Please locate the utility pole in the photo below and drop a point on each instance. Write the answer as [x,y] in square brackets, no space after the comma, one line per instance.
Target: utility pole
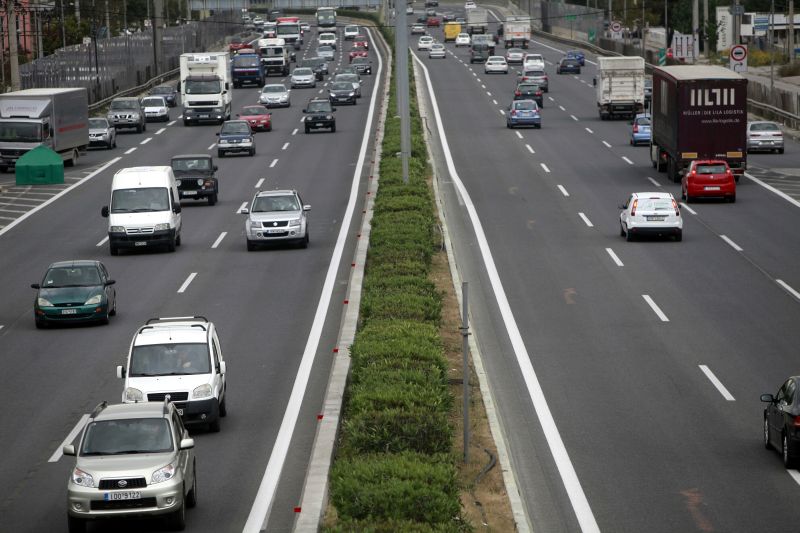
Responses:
[705,27]
[158,8]
[791,31]
[771,51]
[39,43]
[108,22]
[63,25]
[736,28]
[13,53]
[644,39]
[401,73]
[695,28]
[125,15]
[78,11]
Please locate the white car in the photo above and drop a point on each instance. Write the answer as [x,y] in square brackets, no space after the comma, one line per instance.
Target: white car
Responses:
[303,77]
[417,29]
[651,213]
[463,39]
[469,4]
[155,108]
[410,10]
[327,39]
[437,51]
[533,62]
[425,42]
[180,357]
[350,32]
[496,64]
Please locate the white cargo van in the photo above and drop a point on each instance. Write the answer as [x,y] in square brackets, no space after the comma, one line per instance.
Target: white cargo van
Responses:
[145,209]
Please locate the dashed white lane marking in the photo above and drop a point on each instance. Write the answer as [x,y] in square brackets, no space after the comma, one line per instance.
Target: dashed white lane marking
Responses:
[586,220]
[274,162]
[563,190]
[544,167]
[607,145]
[614,257]
[528,146]
[219,239]
[731,243]
[294,132]
[788,288]
[70,437]
[483,86]
[502,112]
[627,160]
[684,206]
[717,383]
[285,146]
[550,98]
[212,146]
[795,475]
[1,326]
[654,182]
[320,91]
[494,102]
[561,107]
[259,183]
[130,150]
[162,130]
[102,242]
[657,310]
[171,123]
[187,282]
[474,74]
[244,204]
[590,131]
[146,140]
[518,134]
[574,118]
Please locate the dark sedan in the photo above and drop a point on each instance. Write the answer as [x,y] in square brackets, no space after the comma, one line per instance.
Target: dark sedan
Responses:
[567,64]
[74,291]
[362,65]
[342,92]
[529,91]
[782,422]
[169,93]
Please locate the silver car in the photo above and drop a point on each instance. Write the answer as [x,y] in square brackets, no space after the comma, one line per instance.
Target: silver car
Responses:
[764,135]
[133,459]
[275,95]
[102,133]
[126,112]
[355,79]
[276,216]
[326,52]
[303,77]
[437,51]
[515,55]
[535,76]
[155,108]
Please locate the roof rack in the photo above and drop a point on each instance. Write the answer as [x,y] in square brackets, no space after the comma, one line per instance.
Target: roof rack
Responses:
[176,318]
[99,409]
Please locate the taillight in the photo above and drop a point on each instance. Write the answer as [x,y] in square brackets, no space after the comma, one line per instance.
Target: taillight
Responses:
[517,93]
[633,208]
[635,128]
[513,112]
[694,173]
[677,209]
[796,422]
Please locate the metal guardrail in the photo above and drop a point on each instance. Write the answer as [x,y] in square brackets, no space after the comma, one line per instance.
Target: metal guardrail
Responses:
[158,80]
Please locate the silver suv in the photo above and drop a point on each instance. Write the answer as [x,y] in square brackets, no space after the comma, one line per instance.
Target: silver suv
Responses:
[276,216]
[132,460]
[126,112]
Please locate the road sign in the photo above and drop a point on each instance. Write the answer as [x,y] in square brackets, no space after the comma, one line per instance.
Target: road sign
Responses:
[662,57]
[616,26]
[738,58]
[737,10]
[761,23]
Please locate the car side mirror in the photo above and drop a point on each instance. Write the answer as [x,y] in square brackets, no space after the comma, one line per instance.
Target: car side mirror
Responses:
[237,116]
[187,444]
[111,282]
[68,449]
[104,211]
[35,286]
[306,207]
[222,367]
[245,211]
[120,372]
[305,110]
[215,168]
[217,134]
[767,398]
[176,207]
[594,82]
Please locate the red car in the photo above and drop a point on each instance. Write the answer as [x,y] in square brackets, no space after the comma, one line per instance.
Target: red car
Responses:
[358,51]
[257,116]
[434,21]
[361,41]
[709,178]
[237,44]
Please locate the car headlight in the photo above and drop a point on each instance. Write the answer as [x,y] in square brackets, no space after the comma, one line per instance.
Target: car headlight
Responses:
[352,93]
[255,225]
[94,300]
[133,395]
[328,117]
[199,182]
[116,229]
[165,473]
[217,110]
[295,222]
[223,141]
[79,477]
[161,227]
[178,183]
[41,302]
[203,391]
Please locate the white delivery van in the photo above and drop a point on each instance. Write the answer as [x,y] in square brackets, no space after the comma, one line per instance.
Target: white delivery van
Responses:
[145,209]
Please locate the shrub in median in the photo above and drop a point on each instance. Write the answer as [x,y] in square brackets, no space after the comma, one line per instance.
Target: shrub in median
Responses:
[393,526]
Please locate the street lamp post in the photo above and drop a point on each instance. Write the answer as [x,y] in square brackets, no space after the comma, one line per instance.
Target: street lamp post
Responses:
[12,8]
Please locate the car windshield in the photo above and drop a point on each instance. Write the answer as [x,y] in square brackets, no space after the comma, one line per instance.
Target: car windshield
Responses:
[352,78]
[153,102]
[527,88]
[268,204]
[711,169]
[202,87]
[534,73]
[360,60]
[655,204]
[341,86]
[764,126]
[184,165]
[437,47]
[98,123]
[140,200]
[303,72]
[170,360]
[235,128]
[273,89]
[514,51]
[324,48]
[351,29]
[525,106]
[124,104]
[643,121]
[245,61]
[254,110]
[82,276]
[127,436]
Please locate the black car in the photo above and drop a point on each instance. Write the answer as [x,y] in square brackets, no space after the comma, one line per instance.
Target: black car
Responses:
[780,422]
[479,53]
[273,14]
[319,115]
[362,65]
[431,3]
[169,93]
[342,92]
[422,18]
[235,136]
[568,64]
[196,177]
[529,91]
[318,64]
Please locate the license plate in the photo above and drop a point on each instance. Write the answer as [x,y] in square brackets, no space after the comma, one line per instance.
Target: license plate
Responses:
[69,311]
[140,243]
[190,193]
[203,116]
[180,412]
[655,219]
[122,495]
[276,230]
[318,124]
[712,188]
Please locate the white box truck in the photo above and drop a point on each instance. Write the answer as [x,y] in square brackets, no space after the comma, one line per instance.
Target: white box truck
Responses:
[517,31]
[620,86]
[477,20]
[57,118]
[274,56]
[205,85]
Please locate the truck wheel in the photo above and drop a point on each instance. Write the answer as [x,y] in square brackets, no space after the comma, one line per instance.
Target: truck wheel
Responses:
[113,249]
[212,199]
[139,128]
[73,160]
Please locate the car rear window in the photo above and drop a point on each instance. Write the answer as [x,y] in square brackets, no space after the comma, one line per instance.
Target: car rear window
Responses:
[643,121]
[527,106]
[710,169]
[767,126]
[654,204]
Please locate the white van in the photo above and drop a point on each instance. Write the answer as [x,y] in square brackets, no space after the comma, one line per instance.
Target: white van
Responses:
[145,209]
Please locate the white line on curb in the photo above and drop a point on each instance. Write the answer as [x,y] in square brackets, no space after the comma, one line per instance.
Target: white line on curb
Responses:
[774,190]
[655,308]
[717,383]
[187,282]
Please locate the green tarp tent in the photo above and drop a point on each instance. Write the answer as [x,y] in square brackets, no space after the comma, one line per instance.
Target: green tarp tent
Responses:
[40,166]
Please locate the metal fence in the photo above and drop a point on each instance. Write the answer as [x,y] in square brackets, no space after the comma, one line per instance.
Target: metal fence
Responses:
[312,4]
[566,20]
[127,61]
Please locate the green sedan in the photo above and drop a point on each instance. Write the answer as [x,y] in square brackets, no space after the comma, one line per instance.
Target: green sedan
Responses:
[74,291]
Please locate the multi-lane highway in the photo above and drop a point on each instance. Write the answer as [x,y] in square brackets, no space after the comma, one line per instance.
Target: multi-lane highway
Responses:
[626,374]
[272,308]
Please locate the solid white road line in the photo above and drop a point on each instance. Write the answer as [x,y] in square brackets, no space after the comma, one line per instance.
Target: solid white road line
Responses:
[627,160]
[518,134]
[528,146]
[257,518]
[717,383]
[731,243]
[586,220]
[590,131]
[614,257]
[773,189]
[212,146]
[274,162]
[219,239]
[259,183]
[684,206]
[654,182]
[294,132]
[146,140]
[57,196]
[187,282]
[171,123]
[285,146]
[566,470]
[130,150]
[788,288]
[655,308]
[574,118]
[101,243]
[563,190]
[70,437]
[607,145]
[162,130]
[244,204]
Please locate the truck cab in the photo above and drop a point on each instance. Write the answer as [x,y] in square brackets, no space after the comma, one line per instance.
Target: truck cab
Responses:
[275,56]
[205,83]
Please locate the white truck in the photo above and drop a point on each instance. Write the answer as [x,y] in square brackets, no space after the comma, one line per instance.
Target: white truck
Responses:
[289,30]
[620,86]
[517,31]
[477,20]
[57,118]
[205,85]
[274,56]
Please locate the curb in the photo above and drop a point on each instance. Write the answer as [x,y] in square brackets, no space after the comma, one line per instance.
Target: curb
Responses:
[314,497]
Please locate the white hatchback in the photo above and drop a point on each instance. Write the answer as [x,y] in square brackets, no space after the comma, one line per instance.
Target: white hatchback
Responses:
[350,32]
[533,62]
[651,213]
[496,64]
[463,39]
[425,42]
[327,39]
[437,51]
